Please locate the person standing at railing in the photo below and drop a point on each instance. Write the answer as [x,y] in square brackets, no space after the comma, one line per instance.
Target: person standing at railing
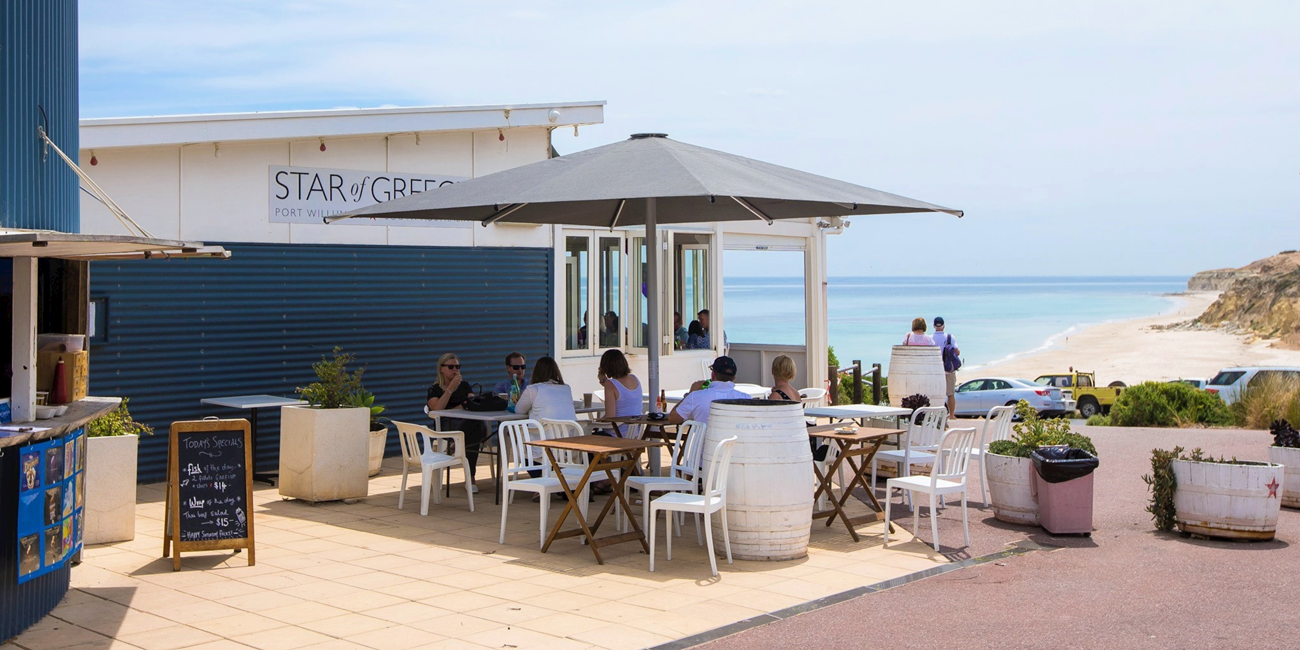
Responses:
[918,336]
[951,361]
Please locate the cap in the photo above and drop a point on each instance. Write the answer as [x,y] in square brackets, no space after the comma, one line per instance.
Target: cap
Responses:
[724,366]
[938,320]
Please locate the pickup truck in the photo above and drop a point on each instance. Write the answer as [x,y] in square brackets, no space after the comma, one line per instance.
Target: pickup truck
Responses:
[1082,387]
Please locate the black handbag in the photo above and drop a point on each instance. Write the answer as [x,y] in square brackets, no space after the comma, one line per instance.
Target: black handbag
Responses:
[489,402]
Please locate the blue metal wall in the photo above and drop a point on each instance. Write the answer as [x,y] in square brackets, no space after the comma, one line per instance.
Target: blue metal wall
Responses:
[183,330]
[38,72]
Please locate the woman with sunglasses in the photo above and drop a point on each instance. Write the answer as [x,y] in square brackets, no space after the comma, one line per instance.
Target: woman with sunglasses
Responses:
[452,391]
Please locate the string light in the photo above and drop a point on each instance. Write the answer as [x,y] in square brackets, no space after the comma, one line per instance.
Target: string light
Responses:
[322,144]
[417,139]
[216,149]
[93,160]
[575,130]
[501,135]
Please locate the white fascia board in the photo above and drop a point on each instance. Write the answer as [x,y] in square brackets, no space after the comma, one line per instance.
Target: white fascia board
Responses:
[104,133]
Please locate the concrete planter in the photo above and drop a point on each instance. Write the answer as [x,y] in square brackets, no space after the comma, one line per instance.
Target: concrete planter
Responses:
[1290,457]
[378,440]
[110,489]
[1228,500]
[1011,489]
[324,453]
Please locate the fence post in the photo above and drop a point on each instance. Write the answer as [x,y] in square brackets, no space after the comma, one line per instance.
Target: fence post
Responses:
[875,383]
[834,374]
[857,381]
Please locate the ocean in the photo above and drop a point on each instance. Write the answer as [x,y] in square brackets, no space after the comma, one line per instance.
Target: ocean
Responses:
[990,318]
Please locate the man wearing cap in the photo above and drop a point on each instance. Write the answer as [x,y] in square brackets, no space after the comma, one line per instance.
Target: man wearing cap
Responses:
[945,341]
[695,404]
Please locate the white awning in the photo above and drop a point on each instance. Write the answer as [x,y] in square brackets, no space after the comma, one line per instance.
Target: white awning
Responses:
[74,246]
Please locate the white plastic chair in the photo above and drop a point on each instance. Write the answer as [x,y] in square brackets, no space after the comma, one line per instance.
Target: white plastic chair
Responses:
[517,458]
[997,426]
[812,396]
[431,458]
[713,500]
[683,471]
[947,477]
[918,443]
[572,463]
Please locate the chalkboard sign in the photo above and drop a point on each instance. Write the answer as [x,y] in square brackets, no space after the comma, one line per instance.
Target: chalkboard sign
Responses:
[209,488]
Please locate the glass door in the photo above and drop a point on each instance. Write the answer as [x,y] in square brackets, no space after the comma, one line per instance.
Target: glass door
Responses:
[611,326]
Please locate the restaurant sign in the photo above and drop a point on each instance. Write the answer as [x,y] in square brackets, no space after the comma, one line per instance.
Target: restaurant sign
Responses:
[309,194]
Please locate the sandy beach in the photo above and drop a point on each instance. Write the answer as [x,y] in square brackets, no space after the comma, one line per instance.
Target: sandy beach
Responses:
[1135,350]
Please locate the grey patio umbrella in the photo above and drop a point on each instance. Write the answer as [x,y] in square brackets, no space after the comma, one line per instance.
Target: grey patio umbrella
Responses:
[647,180]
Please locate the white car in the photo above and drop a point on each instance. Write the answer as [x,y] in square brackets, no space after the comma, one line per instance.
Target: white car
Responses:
[977,396]
[1194,383]
[1230,381]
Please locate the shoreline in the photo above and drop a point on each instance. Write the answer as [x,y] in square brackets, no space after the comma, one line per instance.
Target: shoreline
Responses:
[1135,350]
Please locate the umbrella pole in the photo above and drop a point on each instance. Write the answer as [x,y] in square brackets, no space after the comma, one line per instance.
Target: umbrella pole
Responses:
[652,297]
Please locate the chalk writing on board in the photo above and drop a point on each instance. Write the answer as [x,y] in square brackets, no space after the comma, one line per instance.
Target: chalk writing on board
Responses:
[213,486]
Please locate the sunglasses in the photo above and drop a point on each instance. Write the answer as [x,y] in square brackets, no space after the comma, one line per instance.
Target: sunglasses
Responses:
[453,366]
[519,367]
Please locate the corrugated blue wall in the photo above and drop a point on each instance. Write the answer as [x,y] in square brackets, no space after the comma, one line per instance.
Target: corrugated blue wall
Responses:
[183,330]
[38,70]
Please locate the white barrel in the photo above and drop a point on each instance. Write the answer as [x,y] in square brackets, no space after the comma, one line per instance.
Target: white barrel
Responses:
[1229,500]
[770,484]
[1290,457]
[1011,489]
[917,369]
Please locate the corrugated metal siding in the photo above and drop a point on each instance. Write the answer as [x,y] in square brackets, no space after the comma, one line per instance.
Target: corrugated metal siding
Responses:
[38,70]
[21,606]
[183,330]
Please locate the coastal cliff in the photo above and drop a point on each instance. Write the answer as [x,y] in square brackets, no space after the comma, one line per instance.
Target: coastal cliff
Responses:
[1262,298]
[1216,279]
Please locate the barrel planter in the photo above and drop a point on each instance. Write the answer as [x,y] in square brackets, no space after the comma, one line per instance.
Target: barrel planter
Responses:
[378,441]
[917,369]
[1290,457]
[1231,500]
[1011,489]
[770,484]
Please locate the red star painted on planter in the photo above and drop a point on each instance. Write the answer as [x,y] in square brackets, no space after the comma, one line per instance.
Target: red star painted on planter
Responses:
[1272,488]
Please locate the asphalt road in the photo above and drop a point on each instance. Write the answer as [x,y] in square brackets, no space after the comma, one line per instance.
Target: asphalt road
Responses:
[1127,586]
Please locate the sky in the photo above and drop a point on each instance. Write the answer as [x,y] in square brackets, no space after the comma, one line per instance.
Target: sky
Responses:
[1087,138]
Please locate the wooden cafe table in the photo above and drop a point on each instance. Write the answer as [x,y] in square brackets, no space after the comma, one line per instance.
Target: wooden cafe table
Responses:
[625,453]
[651,429]
[854,443]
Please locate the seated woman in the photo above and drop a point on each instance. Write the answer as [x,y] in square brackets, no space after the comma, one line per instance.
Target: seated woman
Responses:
[450,392]
[547,397]
[622,389]
[696,337]
[783,371]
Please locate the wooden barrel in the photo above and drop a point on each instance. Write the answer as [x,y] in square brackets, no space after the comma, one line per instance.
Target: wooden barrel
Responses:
[770,485]
[1231,500]
[1011,489]
[917,369]
[1290,457]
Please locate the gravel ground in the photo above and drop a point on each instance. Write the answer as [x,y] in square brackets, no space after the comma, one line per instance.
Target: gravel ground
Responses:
[1127,586]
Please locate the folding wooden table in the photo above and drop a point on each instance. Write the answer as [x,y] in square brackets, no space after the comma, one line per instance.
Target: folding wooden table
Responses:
[626,453]
[652,429]
[860,443]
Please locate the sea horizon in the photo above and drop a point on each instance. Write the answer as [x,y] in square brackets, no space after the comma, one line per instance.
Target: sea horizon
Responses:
[991,318]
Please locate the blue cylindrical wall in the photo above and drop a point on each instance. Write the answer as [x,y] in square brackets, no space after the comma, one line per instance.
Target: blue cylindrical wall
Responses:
[38,87]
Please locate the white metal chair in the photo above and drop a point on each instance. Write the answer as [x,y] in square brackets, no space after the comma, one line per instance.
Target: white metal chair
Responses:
[713,500]
[430,458]
[949,476]
[918,443]
[997,426]
[683,471]
[517,458]
[812,396]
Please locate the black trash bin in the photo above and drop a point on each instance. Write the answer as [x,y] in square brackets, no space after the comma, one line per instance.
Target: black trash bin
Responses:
[1063,477]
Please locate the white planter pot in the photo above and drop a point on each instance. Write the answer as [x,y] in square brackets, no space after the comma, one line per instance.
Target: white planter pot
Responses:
[324,453]
[110,489]
[1228,500]
[1011,489]
[378,440]
[1290,457]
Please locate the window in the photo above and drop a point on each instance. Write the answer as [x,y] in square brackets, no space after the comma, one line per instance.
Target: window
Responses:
[998,384]
[638,306]
[1227,378]
[1274,377]
[576,264]
[692,278]
[611,291]
[972,386]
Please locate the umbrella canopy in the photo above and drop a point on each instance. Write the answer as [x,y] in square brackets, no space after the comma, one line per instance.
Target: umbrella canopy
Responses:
[647,180]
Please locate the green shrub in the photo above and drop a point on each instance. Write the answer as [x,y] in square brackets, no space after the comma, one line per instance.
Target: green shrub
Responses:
[1099,420]
[334,387]
[1161,404]
[1162,484]
[117,422]
[1032,432]
[1267,399]
[845,384]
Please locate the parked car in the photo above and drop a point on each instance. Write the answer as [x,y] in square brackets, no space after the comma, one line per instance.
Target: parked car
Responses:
[1230,381]
[1082,388]
[1194,383]
[977,396]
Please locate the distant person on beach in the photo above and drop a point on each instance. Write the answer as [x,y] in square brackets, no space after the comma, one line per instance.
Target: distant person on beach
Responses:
[918,336]
[951,361]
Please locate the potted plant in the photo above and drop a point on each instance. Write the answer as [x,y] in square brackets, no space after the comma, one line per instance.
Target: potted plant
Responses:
[1232,499]
[323,445]
[1286,451]
[113,439]
[1010,470]
[378,428]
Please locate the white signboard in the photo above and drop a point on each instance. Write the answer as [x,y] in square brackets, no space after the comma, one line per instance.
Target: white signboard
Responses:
[309,194]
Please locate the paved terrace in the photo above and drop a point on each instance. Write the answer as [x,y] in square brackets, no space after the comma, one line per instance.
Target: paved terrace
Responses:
[367,575]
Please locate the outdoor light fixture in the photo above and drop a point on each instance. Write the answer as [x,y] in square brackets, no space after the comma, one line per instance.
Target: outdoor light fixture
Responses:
[216,150]
[322,144]
[553,116]
[93,160]
[501,135]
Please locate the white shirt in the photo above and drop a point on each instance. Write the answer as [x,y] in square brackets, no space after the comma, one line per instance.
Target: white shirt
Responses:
[940,338]
[695,405]
[548,401]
